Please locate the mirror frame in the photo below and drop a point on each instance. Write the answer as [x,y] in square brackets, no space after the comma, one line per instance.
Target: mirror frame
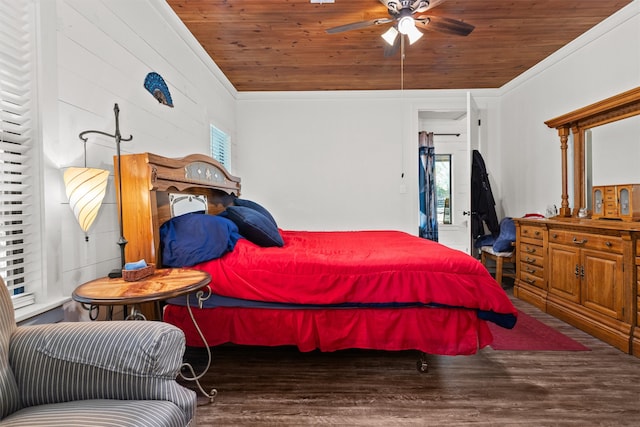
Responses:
[618,107]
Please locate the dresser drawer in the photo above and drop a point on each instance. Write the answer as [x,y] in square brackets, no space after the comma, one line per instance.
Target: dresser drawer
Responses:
[532,280]
[589,241]
[531,270]
[610,193]
[531,232]
[527,258]
[611,209]
[529,249]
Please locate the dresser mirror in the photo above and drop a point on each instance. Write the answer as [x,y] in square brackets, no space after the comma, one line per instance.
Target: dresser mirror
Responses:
[612,155]
[604,149]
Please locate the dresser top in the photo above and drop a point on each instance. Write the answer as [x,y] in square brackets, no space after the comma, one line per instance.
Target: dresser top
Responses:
[580,223]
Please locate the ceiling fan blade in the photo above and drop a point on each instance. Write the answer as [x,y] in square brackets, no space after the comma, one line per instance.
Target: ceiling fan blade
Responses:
[434,3]
[358,25]
[444,25]
[391,50]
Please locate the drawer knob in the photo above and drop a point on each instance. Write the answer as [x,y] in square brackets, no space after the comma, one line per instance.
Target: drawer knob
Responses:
[608,244]
[530,250]
[555,235]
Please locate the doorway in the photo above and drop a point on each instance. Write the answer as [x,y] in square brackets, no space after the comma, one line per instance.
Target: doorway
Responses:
[456,135]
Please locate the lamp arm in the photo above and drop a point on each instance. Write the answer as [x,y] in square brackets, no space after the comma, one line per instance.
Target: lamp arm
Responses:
[85,139]
[122,241]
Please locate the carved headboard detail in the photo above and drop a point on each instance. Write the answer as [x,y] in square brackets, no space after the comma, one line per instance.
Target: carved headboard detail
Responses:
[147,182]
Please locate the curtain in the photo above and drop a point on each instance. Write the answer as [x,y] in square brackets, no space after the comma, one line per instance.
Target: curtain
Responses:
[427,176]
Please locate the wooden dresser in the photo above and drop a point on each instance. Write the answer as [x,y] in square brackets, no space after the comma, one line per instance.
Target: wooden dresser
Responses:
[585,272]
[583,265]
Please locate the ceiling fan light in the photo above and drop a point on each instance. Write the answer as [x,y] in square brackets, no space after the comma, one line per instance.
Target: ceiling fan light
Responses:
[406,24]
[390,35]
[414,35]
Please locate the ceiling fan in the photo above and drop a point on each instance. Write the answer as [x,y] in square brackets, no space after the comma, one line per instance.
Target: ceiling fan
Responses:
[405,23]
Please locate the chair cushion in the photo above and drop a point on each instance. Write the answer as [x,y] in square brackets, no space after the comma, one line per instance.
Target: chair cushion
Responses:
[490,250]
[506,237]
[9,396]
[100,412]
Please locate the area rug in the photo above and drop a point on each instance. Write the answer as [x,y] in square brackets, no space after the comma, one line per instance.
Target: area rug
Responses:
[530,334]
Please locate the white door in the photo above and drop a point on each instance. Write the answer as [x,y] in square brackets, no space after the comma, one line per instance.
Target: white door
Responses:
[455,235]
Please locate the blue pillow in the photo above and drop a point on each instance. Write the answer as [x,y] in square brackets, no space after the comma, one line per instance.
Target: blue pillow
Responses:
[192,238]
[256,207]
[506,237]
[254,226]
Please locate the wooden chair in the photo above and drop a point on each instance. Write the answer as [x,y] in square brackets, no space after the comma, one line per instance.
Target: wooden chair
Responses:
[500,258]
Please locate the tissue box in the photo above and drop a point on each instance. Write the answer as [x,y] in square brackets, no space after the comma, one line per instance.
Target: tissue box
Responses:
[139,274]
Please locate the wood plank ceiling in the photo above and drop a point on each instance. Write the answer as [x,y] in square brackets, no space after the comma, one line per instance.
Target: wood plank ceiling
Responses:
[269,45]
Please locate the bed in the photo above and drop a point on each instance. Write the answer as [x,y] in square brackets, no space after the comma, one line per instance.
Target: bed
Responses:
[330,290]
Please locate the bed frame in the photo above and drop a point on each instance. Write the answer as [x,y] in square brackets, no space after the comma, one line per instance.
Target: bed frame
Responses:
[149,184]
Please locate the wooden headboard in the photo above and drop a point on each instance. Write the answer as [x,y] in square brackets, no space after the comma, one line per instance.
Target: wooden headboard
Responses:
[148,180]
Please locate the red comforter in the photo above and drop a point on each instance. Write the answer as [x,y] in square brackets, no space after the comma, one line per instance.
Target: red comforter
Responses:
[362,267]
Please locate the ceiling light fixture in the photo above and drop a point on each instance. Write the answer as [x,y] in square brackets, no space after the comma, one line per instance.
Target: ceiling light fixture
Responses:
[407,26]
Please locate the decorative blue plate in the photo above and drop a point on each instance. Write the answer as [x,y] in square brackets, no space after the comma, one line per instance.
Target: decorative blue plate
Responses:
[156,86]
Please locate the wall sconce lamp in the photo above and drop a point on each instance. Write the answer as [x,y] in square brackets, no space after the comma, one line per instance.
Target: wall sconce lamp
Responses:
[85,188]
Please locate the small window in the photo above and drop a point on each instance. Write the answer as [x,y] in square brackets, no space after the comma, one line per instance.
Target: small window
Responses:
[221,147]
[443,187]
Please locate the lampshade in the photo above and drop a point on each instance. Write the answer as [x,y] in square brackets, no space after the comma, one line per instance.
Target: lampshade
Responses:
[390,35]
[85,189]
[414,35]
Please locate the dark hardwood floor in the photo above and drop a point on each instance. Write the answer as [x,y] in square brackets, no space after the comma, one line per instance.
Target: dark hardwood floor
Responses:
[283,387]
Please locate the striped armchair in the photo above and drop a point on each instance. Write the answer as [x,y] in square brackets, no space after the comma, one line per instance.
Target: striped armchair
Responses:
[99,374]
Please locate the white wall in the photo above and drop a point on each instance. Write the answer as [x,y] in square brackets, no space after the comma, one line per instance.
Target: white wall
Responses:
[602,63]
[326,162]
[336,161]
[98,54]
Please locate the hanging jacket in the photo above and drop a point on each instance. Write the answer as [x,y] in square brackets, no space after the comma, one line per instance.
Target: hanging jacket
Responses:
[483,205]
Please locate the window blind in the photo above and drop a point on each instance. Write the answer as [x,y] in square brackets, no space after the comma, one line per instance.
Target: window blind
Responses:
[18,229]
[221,147]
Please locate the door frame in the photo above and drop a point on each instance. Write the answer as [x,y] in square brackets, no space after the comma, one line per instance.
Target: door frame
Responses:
[461,104]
